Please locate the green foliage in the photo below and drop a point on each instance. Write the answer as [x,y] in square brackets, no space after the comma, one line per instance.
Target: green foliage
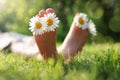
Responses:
[15,15]
[96,62]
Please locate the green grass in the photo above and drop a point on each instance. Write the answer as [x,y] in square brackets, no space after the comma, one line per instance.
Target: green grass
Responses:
[96,62]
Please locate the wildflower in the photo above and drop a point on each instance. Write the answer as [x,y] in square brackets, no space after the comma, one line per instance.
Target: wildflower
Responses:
[81,20]
[91,27]
[52,21]
[37,25]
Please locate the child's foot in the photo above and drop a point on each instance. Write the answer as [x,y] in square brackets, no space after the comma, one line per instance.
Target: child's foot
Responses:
[44,31]
[77,36]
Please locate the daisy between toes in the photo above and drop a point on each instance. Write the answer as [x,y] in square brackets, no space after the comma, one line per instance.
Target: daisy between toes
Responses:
[83,22]
[37,25]
[52,22]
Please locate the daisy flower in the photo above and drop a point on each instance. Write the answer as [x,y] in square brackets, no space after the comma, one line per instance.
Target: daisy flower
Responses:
[81,21]
[37,25]
[52,21]
[91,27]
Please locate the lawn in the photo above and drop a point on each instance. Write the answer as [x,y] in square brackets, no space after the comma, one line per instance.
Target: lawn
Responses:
[96,62]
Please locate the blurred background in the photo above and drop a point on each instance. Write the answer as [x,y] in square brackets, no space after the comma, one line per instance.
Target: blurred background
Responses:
[15,16]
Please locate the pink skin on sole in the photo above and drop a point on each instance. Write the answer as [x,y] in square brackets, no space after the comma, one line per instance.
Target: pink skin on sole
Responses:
[47,42]
[73,42]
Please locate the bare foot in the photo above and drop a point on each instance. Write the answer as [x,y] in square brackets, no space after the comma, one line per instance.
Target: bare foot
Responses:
[46,36]
[76,38]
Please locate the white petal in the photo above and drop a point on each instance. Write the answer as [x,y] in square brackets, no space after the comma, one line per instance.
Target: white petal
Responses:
[33,28]
[55,22]
[91,28]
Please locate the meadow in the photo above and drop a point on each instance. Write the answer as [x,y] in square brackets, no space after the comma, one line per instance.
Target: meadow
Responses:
[95,62]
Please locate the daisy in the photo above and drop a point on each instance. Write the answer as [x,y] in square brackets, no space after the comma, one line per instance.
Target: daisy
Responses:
[52,21]
[81,21]
[37,25]
[91,27]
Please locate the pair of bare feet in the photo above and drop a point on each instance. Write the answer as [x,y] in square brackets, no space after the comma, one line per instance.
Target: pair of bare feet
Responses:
[46,37]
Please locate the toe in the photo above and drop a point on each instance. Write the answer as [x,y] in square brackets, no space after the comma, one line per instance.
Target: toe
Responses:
[41,13]
[50,10]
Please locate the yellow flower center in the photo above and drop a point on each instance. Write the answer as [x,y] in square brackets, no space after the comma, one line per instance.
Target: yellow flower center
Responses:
[49,22]
[38,25]
[81,21]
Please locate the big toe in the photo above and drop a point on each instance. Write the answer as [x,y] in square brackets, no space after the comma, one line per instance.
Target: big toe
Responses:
[50,10]
[41,13]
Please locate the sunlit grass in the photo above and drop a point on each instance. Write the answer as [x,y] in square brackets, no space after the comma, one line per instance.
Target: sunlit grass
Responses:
[96,62]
